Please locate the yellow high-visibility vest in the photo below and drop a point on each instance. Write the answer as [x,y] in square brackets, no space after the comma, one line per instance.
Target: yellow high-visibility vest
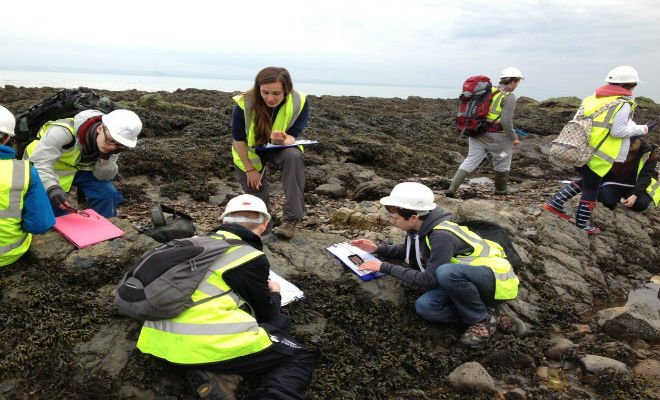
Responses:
[14,184]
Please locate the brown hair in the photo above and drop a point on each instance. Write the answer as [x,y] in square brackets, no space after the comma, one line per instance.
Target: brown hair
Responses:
[262,114]
[506,81]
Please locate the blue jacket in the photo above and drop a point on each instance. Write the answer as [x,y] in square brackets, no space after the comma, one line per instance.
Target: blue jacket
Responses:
[38,215]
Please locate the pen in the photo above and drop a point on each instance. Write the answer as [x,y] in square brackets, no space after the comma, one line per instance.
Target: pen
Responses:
[263,171]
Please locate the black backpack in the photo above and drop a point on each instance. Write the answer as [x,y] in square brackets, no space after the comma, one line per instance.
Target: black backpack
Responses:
[492,231]
[161,283]
[176,225]
[66,103]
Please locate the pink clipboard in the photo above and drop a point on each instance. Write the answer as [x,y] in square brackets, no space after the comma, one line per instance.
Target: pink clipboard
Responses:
[86,228]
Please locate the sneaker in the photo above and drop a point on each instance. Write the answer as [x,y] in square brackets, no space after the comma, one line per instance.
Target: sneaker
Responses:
[511,324]
[556,211]
[478,334]
[592,230]
[286,231]
[205,385]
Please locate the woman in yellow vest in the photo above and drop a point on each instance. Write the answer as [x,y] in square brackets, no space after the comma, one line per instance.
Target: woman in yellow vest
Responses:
[500,138]
[271,113]
[610,136]
[218,335]
[24,206]
[464,274]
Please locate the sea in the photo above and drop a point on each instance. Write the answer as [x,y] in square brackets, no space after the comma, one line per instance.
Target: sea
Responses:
[155,83]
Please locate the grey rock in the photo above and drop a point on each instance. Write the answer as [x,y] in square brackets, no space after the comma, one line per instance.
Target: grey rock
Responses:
[471,376]
[597,364]
[332,190]
[559,347]
[374,189]
[636,321]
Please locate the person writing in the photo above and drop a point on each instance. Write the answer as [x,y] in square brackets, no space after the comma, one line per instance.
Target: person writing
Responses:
[271,112]
[498,141]
[24,206]
[218,335]
[464,274]
[83,151]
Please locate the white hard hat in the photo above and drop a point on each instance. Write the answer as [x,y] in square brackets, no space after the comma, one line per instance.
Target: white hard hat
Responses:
[7,122]
[511,72]
[411,196]
[124,126]
[623,74]
[245,202]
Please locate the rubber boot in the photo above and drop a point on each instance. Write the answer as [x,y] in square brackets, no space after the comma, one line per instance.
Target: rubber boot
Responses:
[556,203]
[583,215]
[501,181]
[458,179]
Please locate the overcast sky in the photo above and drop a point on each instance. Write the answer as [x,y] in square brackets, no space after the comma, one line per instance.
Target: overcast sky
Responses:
[562,47]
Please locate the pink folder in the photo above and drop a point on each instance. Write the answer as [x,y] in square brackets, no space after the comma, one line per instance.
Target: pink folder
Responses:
[86,228]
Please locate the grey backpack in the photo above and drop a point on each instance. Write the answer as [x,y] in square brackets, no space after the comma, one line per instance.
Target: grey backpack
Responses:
[160,285]
[572,145]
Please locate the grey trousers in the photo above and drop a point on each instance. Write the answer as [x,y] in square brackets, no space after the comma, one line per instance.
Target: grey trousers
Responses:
[499,146]
[292,164]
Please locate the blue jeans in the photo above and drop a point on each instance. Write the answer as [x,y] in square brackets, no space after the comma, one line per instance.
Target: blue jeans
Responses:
[102,196]
[462,294]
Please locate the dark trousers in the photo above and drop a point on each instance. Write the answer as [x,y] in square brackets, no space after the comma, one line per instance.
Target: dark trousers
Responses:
[610,195]
[290,161]
[285,367]
[589,183]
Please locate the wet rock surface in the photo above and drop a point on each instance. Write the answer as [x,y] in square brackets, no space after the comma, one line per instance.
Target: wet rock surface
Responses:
[60,338]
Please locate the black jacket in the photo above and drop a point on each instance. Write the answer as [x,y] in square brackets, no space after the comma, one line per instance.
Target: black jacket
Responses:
[444,245]
[626,172]
[250,281]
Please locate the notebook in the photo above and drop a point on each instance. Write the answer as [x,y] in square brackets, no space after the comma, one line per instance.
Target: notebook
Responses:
[288,290]
[85,228]
[352,257]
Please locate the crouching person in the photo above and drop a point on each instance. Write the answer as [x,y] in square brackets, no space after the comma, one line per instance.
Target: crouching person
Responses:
[464,274]
[24,207]
[83,151]
[219,336]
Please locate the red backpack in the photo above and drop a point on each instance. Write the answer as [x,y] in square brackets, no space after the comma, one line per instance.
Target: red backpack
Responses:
[474,105]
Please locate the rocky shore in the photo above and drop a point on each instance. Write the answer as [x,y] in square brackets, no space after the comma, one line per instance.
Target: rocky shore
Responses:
[591,302]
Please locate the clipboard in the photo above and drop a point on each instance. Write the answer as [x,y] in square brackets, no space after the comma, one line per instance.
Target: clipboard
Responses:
[288,290]
[86,228]
[301,142]
[351,257]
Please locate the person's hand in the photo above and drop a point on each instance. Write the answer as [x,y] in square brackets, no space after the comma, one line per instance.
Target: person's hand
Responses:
[630,201]
[371,265]
[364,244]
[516,142]
[273,286]
[278,137]
[650,126]
[253,178]
[58,197]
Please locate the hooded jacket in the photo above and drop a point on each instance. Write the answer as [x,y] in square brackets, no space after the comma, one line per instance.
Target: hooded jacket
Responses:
[444,246]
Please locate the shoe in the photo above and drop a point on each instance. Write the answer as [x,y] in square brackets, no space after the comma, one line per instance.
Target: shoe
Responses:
[556,211]
[450,194]
[592,230]
[205,385]
[478,334]
[286,231]
[511,324]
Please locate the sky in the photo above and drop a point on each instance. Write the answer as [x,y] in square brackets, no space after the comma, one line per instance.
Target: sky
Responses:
[562,47]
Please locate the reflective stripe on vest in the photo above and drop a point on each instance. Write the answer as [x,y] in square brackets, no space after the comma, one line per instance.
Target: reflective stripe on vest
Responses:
[214,328]
[606,154]
[652,188]
[485,253]
[286,117]
[14,184]
[68,164]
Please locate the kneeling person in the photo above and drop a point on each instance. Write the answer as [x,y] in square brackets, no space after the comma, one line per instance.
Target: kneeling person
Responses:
[83,151]
[463,273]
[218,335]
